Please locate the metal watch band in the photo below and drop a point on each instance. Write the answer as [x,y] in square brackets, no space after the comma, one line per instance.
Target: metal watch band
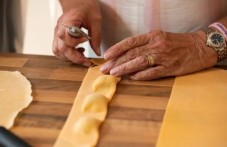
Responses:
[222,55]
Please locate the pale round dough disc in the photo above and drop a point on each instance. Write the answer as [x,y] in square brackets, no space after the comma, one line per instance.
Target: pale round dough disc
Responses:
[15,94]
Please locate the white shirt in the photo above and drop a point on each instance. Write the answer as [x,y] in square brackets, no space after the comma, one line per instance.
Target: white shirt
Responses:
[125,18]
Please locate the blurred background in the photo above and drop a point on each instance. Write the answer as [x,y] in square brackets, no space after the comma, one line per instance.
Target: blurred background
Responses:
[27,26]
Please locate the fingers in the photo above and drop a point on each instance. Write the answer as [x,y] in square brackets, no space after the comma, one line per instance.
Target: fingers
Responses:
[126,57]
[56,49]
[126,45]
[64,47]
[76,57]
[150,74]
[64,52]
[95,33]
[87,15]
[139,70]
[134,65]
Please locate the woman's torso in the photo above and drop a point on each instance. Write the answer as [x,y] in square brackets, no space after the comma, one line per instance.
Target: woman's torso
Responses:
[124,18]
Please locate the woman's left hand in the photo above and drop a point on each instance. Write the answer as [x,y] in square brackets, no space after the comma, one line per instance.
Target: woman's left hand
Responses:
[173,54]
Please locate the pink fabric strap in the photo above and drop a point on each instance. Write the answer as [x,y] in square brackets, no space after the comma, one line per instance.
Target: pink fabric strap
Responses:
[221,28]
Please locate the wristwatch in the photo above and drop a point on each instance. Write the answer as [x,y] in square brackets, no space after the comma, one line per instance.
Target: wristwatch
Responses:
[216,40]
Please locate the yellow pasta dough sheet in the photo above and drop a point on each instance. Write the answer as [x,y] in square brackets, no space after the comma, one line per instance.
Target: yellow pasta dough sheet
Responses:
[89,110]
[15,95]
[196,114]
[98,61]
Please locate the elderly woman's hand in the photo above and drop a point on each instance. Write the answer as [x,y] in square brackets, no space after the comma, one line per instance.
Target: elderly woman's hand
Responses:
[80,13]
[173,55]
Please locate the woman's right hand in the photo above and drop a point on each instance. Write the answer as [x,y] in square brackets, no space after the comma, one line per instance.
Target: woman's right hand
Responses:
[80,13]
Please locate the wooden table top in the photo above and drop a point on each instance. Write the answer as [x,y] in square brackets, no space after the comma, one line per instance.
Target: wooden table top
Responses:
[134,115]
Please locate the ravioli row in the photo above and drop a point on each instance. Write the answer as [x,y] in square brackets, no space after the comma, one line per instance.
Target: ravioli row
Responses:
[94,109]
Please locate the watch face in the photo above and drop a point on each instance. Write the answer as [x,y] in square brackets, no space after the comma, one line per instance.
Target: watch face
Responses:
[217,39]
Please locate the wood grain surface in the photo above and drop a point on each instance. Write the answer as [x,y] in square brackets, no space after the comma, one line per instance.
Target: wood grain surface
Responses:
[135,114]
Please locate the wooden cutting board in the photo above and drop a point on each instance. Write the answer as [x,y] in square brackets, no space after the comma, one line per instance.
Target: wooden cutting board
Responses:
[135,114]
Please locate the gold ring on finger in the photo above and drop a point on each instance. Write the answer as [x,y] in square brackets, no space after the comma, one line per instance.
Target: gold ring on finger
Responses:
[150,59]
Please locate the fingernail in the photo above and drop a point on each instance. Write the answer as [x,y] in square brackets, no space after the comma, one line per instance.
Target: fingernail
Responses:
[87,64]
[113,72]
[107,56]
[97,50]
[103,68]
